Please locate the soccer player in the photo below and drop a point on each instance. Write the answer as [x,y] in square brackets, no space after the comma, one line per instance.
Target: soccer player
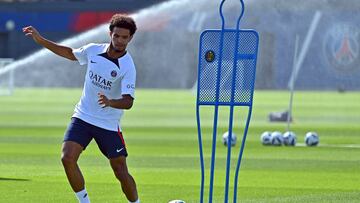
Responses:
[108,89]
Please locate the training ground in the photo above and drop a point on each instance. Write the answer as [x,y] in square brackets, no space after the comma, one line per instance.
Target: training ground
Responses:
[161,136]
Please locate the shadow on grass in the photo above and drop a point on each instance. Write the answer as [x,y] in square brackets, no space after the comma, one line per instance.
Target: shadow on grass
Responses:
[13,179]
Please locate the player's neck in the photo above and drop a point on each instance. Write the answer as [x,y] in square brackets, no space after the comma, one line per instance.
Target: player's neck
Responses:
[114,53]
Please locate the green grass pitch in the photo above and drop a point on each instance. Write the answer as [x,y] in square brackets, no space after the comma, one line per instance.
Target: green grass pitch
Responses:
[161,136]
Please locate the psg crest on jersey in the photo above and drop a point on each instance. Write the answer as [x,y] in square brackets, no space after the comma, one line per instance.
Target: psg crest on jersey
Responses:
[113,73]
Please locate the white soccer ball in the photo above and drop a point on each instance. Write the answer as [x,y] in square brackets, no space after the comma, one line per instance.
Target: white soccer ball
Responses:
[311,139]
[266,138]
[277,138]
[225,139]
[289,138]
[177,201]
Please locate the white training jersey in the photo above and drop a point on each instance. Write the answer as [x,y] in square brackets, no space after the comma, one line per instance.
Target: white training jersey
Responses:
[113,78]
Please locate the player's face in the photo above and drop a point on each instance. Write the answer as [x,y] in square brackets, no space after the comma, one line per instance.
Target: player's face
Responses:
[120,37]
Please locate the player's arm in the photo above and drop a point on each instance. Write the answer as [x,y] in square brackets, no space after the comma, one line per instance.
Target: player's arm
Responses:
[60,50]
[125,102]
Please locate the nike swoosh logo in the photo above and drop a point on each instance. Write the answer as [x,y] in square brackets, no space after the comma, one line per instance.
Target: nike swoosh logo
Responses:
[119,150]
[92,61]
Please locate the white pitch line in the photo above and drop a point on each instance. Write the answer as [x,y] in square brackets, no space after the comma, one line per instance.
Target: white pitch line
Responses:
[334,145]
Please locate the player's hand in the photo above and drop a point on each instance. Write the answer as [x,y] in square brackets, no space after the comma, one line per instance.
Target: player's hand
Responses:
[103,101]
[32,32]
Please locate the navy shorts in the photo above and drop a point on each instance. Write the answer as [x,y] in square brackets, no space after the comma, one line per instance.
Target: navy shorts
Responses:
[110,143]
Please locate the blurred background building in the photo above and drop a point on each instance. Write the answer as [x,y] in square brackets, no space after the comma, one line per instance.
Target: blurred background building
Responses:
[55,19]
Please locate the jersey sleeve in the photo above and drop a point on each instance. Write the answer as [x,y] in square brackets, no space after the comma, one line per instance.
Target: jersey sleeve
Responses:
[128,82]
[81,54]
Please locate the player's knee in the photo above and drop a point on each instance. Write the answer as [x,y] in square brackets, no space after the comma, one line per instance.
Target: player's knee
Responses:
[67,160]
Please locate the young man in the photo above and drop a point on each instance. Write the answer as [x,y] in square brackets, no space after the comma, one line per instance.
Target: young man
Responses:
[108,89]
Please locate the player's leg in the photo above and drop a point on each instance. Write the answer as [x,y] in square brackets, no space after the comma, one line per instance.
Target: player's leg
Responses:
[70,154]
[127,182]
[77,137]
[112,145]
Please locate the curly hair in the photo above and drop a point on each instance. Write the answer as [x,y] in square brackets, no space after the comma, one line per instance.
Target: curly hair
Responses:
[123,21]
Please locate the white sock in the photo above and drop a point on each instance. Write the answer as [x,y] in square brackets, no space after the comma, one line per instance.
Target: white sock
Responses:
[83,196]
[137,201]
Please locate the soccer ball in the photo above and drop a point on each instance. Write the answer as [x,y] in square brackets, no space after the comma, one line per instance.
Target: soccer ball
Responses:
[289,138]
[311,139]
[277,138]
[225,137]
[177,201]
[266,138]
